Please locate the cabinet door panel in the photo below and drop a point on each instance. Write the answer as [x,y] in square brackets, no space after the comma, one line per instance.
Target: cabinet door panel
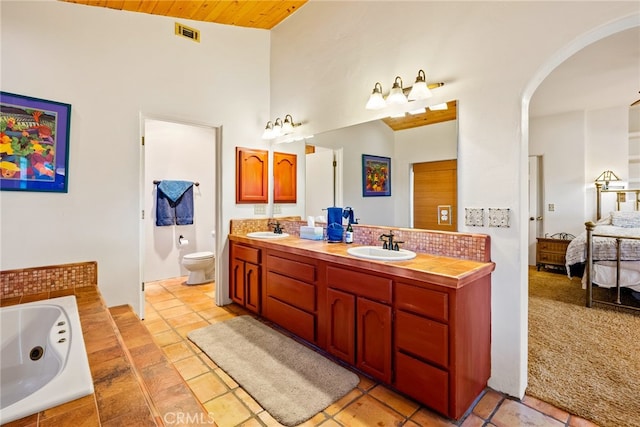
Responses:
[422,337]
[374,338]
[252,287]
[252,174]
[341,328]
[237,281]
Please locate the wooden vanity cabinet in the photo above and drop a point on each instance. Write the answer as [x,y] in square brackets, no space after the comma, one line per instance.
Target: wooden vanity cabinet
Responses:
[291,297]
[245,283]
[252,175]
[359,320]
[442,343]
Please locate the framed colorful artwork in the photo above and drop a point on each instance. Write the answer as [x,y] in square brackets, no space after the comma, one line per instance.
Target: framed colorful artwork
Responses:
[34,143]
[376,176]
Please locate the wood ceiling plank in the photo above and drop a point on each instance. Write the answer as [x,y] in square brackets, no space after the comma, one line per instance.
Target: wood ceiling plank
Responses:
[185,9]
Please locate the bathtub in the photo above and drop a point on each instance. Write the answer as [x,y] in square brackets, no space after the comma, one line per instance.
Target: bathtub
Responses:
[43,360]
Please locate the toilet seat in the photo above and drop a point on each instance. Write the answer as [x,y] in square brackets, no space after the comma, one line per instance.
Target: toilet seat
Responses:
[199,255]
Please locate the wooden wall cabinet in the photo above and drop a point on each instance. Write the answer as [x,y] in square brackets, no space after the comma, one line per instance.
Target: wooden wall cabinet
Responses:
[245,281]
[252,175]
[284,177]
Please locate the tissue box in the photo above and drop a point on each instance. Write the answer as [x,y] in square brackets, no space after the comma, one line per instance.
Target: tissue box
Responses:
[311,233]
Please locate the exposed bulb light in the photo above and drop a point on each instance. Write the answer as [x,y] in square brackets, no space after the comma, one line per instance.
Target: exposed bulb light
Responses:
[397,96]
[418,111]
[420,89]
[376,101]
[268,131]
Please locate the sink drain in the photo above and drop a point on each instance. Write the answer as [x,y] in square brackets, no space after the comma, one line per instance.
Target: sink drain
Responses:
[36,353]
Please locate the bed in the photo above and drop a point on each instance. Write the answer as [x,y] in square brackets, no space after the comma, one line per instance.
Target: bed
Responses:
[609,252]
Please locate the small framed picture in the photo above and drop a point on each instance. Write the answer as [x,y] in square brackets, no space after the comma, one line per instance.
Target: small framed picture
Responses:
[34,143]
[376,176]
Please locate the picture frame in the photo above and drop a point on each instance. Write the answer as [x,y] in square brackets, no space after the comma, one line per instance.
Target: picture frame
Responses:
[376,176]
[34,143]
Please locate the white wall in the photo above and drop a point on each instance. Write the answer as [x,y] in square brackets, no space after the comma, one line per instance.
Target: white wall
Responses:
[181,152]
[492,55]
[111,66]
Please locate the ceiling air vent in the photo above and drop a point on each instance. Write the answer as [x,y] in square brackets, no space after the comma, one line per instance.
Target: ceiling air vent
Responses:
[188,32]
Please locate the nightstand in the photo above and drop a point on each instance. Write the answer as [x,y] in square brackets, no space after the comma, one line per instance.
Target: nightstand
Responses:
[550,252]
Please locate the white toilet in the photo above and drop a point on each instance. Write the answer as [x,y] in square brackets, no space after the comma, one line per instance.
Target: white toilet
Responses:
[201,266]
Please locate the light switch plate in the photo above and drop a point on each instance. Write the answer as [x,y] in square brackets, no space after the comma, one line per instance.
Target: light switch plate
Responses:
[259,209]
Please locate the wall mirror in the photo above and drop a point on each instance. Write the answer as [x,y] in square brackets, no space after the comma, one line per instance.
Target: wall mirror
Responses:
[428,137]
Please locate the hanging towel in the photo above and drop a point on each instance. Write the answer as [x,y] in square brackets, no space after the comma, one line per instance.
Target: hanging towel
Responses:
[174,203]
[334,224]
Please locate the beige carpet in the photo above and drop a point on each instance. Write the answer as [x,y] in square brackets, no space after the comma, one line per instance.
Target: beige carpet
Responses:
[290,381]
[584,360]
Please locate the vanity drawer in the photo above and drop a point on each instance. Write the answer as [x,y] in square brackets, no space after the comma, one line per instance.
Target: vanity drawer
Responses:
[422,337]
[292,268]
[291,291]
[425,383]
[422,301]
[297,321]
[246,253]
[361,284]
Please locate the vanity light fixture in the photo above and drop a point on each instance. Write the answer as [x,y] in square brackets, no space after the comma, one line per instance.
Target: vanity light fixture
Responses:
[420,90]
[397,96]
[279,128]
[437,107]
[376,101]
[606,177]
[268,131]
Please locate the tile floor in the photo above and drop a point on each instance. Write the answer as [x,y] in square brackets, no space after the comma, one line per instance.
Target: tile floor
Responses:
[173,309]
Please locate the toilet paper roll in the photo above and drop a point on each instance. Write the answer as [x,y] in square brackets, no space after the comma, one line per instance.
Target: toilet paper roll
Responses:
[183,242]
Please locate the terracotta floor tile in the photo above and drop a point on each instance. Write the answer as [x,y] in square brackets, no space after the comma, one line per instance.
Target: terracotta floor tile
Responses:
[472,421]
[183,331]
[575,421]
[110,369]
[84,415]
[184,319]
[156,326]
[116,405]
[168,303]
[399,403]
[425,417]
[253,422]
[338,405]
[512,413]
[207,386]
[191,367]
[68,407]
[366,383]
[248,401]
[546,408]
[228,410]
[487,404]
[230,382]
[160,376]
[333,423]
[130,419]
[146,355]
[366,412]
[180,310]
[166,338]
[177,351]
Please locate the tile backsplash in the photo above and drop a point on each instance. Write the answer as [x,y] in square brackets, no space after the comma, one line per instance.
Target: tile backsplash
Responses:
[36,280]
[471,246]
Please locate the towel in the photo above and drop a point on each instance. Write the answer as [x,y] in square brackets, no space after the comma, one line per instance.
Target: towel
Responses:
[334,224]
[174,203]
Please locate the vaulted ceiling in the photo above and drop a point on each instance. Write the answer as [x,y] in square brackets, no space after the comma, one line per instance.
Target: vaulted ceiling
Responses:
[264,14]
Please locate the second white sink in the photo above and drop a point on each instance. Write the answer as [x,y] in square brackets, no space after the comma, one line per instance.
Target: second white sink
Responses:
[267,235]
[379,254]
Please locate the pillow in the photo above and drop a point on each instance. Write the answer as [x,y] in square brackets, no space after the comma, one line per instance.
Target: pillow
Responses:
[605,221]
[627,219]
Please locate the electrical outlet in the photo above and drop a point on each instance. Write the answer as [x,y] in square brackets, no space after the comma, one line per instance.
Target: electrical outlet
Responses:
[277,209]
[259,209]
[552,207]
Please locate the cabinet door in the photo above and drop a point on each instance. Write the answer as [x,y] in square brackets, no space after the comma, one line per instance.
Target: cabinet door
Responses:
[236,284]
[341,328]
[252,287]
[252,175]
[374,339]
[284,177]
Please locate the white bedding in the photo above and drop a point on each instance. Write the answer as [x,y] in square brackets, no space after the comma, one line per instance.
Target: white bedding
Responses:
[604,274]
[604,248]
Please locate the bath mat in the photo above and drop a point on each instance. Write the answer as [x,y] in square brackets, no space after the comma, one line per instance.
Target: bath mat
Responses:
[290,381]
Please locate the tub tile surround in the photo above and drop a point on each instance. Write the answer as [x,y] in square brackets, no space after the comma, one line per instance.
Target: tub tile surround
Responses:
[134,382]
[469,246]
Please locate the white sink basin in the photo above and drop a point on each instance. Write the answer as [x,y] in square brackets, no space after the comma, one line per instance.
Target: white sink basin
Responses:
[267,235]
[379,254]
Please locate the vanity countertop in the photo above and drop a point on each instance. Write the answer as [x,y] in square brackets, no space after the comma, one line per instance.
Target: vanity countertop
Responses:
[447,271]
